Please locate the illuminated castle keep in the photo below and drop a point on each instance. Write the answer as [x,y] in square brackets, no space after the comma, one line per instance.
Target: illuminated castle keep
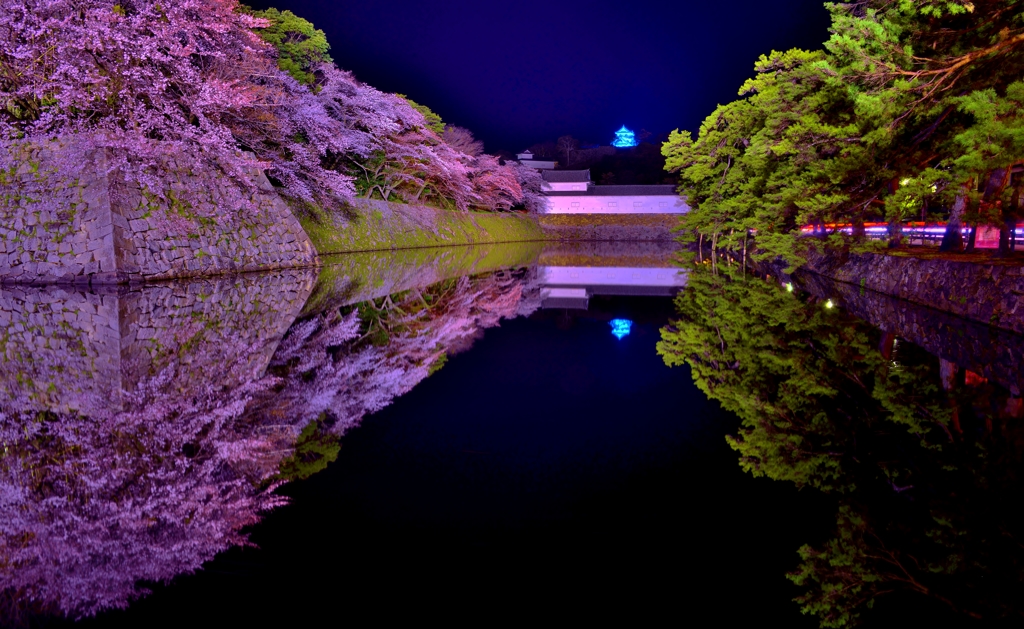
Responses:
[624,138]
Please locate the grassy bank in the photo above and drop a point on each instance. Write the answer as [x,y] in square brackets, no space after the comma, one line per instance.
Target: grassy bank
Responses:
[382,226]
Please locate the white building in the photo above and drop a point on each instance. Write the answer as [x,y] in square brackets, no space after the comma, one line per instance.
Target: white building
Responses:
[526,158]
[566,180]
[572,192]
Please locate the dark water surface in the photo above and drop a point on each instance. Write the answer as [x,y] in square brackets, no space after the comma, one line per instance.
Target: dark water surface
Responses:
[457,436]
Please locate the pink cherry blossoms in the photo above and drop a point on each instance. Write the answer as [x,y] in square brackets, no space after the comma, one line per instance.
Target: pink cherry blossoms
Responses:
[193,81]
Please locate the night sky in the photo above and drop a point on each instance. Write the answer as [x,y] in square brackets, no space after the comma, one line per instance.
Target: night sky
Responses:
[517,73]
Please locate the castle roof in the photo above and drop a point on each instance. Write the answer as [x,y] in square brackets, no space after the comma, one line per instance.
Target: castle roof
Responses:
[624,191]
[567,176]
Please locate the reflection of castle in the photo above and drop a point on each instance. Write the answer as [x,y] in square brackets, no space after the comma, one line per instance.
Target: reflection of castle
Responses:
[570,275]
[573,286]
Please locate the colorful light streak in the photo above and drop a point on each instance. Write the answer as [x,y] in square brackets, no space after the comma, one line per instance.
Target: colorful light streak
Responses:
[909,229]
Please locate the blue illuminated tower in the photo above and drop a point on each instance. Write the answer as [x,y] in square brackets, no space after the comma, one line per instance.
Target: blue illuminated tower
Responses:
[624,138]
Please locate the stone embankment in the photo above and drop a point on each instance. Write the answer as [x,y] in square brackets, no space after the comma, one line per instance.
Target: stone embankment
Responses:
[987,293]
[610,227]
[90,226]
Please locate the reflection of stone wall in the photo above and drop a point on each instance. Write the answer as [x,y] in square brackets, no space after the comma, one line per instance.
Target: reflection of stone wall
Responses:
[59,349]
[990,294]
[993,353]
[62,349]
[627,227]
[92,226]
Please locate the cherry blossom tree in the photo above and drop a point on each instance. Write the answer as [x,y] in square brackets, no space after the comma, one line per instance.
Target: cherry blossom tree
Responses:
[462,140]
[150,81]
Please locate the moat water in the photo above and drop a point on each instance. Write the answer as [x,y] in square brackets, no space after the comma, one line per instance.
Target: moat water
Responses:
[574,433]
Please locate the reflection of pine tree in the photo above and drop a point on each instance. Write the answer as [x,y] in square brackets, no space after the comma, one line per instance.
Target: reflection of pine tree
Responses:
[922,503]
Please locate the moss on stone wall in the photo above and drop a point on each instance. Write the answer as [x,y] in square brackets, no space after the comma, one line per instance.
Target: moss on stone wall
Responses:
[379,225]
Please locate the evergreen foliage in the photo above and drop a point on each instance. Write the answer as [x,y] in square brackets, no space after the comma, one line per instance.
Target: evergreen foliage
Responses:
[434,122]
[300,46]
[912,111]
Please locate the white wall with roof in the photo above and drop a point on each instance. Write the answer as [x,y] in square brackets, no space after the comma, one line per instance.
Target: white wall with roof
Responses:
[609,204]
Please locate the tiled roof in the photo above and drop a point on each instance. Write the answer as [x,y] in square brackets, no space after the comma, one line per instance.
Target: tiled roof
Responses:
[567,176]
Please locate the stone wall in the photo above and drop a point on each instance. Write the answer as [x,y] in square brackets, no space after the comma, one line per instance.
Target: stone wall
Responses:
[90,225]
[990,294]
[623,227]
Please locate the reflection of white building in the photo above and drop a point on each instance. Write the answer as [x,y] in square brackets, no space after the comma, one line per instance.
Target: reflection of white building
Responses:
[572,192]
[573,286]
[526,158]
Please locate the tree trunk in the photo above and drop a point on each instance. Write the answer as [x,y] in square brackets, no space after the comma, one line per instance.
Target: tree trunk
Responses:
[953,239]
[714,253]
[858,229]
[886,344]
[947,374]
[895,222]
[1008,229]
[895,233]
[994,187]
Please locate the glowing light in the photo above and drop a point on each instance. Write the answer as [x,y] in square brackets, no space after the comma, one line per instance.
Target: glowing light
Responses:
[624,138]
[789,287]
[829,304]
[904,182]
[620,327]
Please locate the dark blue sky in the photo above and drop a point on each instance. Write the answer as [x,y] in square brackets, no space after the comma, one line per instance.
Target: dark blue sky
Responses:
[516,73]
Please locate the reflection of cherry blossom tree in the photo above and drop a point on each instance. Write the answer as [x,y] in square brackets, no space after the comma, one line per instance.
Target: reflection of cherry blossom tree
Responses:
[96,505]
[330,365]
[92,505]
